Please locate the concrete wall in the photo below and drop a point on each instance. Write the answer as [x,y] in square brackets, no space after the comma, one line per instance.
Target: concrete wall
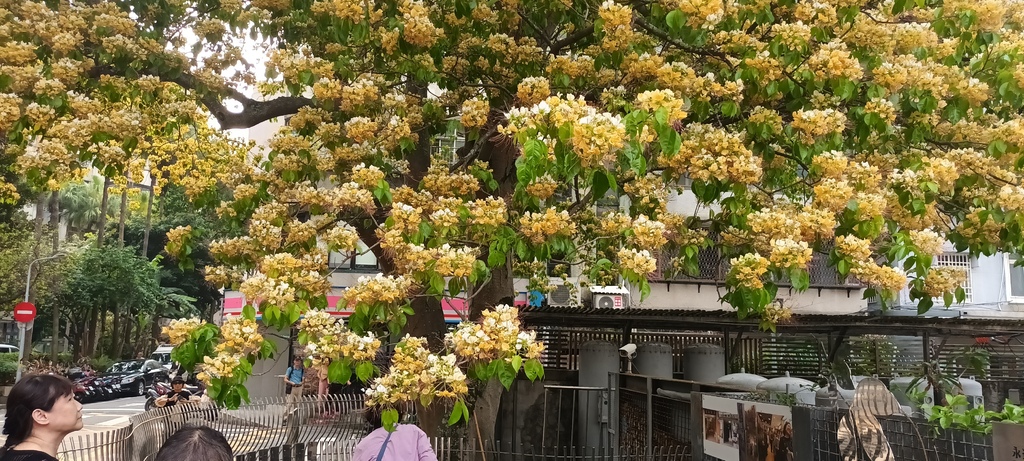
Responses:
[706,297]
[266,374]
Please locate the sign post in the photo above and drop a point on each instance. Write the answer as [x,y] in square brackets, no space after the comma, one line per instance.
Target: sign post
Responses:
[24,313]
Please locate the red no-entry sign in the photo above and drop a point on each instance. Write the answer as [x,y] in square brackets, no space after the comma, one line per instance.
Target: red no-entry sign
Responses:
[24,312]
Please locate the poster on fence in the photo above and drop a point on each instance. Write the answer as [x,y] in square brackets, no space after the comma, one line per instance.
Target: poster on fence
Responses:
[1007,441]
[721,427]
[766,431]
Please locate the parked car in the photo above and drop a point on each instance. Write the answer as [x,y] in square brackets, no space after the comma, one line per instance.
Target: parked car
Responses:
[162,354]
[8,349]
[132,377]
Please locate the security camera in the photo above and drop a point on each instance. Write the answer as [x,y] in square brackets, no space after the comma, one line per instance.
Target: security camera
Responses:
[628,351]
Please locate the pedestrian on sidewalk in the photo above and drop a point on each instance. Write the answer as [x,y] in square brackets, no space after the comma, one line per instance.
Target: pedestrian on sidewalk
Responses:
[195,443]
[406,443]
[41,411]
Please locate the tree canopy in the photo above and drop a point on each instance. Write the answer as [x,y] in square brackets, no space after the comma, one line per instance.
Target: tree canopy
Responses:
[871,131]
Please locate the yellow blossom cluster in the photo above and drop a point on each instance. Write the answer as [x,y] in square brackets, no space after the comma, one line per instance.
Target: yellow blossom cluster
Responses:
[775,313]
[618,26]
[474,113]
[653,100]
[442,183]
[700,14]
[498,335]
[488,212]
[648,233]
[342,237]
[176,238]
[387,289]
[813,124]
[788,253]
[638,261]
[747,270]
[417,28]
[220,366]
[532,90]
[543,187]
[832,194]
[856,248]
[455,262]
[179,330]
[360,129]
[708,152]
[927,241]
[614,223]
[833,60]
[539,227]
[417,375]
[264,289]
[945,279]
[240,336]
[597,137]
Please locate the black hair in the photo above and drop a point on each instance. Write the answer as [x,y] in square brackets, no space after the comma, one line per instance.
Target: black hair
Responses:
[33,392]
[195,443]
[178,380]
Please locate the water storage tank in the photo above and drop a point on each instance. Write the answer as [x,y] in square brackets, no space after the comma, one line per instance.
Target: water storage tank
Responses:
[902,389]
[597,359]
[653,359]
[704,363]
[742,380]
[974,392]
[802,389]
[842,399]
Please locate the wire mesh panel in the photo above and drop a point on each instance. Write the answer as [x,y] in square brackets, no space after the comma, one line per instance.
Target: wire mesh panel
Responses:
[671,421]
[632,420]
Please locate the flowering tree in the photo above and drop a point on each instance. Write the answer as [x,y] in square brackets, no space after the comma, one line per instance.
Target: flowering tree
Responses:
[870,130]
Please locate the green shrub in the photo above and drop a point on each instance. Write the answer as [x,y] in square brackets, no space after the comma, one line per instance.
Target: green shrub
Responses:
[8,371]
[101,363]
[11,357]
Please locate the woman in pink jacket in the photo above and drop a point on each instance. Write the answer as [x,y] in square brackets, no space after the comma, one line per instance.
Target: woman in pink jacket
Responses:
[406,443]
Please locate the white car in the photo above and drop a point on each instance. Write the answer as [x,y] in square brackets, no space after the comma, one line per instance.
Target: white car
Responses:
[8,349]
[162,354]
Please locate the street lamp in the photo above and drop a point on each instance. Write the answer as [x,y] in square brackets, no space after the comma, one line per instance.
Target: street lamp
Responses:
[21,325]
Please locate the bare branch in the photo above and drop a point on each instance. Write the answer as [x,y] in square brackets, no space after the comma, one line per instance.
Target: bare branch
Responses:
[572,39]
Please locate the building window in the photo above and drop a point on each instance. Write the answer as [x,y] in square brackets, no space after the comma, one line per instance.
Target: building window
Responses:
[364,261]
[1014,278]
[963,261]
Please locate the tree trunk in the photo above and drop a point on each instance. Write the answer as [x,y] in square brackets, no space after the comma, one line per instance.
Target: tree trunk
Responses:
[499,290]
[155,330]
[115,330]
[103,213]
[36,253]
[102,330]
[124,211]
[149,223]
[89,338]
[54,208]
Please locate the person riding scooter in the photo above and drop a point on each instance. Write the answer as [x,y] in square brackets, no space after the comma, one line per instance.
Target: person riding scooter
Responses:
[175,395]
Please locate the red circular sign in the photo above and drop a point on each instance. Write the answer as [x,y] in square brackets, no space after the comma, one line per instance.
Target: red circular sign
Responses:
[24,312]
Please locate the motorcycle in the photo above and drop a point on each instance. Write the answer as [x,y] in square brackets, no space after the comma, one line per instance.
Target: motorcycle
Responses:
[160,389]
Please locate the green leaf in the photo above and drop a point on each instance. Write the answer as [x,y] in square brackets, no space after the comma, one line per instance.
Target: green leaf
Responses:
[506,374]
[670,141]
[495,257]
[456,415]
[517,363]
[601,184]
[339,372]
[436,284]
[675,20]
[924,305]
[364,371]
[947,299]
[533,369]
[389,418]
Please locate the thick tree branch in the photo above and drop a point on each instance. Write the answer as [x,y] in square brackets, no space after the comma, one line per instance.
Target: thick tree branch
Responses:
[689,49]
[572,39]
[253,111]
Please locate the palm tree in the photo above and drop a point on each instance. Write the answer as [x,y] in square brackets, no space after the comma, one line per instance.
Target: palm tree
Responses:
[80,203]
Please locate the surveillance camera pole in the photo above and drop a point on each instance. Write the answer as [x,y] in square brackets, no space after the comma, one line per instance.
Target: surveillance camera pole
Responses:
[21,325]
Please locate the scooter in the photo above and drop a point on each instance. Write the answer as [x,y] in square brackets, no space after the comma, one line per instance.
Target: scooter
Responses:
[160,389]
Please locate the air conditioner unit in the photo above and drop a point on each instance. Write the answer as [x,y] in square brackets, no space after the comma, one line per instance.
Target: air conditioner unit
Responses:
[609,297]
[564,295]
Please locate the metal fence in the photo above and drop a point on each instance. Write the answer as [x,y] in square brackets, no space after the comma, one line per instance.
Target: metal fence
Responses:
[260,425]
[450,449]
[910,439]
